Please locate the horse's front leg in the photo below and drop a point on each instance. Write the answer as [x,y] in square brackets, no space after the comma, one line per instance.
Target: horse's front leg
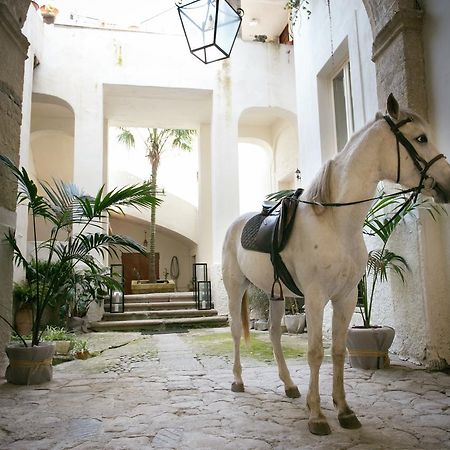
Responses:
[343,309]
[276,312]
[314,305]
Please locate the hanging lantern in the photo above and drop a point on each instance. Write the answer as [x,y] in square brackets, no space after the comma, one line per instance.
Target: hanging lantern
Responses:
[210,27]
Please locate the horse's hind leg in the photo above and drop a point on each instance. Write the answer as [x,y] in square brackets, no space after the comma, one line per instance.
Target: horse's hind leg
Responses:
[343,309]
[235,307]
[236,285]
[276,312]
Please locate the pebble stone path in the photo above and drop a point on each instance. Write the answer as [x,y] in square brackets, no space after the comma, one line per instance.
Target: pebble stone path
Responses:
[159,392]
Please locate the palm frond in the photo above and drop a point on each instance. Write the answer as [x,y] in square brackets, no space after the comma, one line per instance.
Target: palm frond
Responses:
[138,195]
[382,260]
[126,137]
[279,195]
[27,190]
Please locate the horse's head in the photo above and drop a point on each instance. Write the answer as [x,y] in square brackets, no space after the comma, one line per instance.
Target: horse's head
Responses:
[418,160]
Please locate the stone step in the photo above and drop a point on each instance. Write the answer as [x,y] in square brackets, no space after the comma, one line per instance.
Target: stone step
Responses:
[148,306]
[161,314]
[159,324]
[159,297]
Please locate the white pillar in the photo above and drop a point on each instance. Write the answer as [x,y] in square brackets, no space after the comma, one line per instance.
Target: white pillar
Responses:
[225,179]
[204,239]
[88,168]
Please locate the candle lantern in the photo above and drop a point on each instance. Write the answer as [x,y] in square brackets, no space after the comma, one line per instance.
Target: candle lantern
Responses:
[116,296]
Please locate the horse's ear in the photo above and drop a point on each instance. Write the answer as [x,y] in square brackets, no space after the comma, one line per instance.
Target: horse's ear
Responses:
[392,107]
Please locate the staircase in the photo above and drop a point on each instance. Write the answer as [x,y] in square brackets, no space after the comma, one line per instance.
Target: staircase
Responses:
[159,312]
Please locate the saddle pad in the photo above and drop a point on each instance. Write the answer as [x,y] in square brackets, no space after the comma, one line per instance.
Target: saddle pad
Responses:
[248,236]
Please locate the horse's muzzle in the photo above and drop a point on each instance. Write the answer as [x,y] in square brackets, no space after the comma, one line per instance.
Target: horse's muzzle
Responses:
[442,193]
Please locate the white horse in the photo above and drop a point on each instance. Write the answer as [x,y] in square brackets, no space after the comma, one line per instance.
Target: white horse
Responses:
[326,254]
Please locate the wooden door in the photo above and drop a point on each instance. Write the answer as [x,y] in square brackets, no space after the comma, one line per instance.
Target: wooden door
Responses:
[135,267]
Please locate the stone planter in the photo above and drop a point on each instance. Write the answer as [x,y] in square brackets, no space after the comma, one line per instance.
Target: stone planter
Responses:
[261,325]
[30,365]
[295,323]
[368,347]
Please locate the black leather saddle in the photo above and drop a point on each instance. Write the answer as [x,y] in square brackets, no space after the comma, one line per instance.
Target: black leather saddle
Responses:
[269,232]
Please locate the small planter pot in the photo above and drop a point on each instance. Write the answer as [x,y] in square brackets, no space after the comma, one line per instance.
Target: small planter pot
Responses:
[30,365]
[83,354]
[62,347]
[368,347]
[295,323]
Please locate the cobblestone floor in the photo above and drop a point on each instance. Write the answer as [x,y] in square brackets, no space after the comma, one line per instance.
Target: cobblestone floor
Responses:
[161,392]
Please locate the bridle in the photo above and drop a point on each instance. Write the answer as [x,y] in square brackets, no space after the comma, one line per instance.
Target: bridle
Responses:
[421,165]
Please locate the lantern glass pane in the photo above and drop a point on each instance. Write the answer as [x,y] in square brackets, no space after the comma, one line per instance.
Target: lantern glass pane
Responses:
[228,23]
[198,21]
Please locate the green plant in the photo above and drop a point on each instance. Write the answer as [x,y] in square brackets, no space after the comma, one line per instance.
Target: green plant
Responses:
[155,144]
[22,294]
[294,6]
[292,306]
[76,233]
[57,334]
[80,346]
[49,9]
[381,221]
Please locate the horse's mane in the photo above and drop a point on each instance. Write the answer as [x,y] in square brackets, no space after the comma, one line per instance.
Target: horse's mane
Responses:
[319,191]
[320,188]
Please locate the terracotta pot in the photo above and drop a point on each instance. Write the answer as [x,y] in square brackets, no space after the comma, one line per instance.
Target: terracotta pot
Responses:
[368,347]
[84,354]
[48,16]
[24,320]
[30,365]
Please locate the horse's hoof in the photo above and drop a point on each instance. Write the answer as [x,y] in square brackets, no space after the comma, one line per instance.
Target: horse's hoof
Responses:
[349,420]
[320,428]
[237,387]
[292,392]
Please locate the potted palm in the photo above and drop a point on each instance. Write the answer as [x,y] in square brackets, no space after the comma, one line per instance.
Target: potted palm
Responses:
[65,209]
[368,344]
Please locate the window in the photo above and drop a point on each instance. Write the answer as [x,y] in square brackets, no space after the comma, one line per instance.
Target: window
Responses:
[343,107]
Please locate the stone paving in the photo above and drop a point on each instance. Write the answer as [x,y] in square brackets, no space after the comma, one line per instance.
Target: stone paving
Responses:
[160,392]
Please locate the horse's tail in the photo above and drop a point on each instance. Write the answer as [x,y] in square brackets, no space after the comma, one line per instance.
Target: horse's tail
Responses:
[245,318]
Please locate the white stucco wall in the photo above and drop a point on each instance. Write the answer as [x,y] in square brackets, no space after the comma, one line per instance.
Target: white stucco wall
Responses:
[80,65]
[350,37]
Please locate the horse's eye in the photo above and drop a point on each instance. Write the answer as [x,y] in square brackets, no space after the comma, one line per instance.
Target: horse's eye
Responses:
[422,139]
